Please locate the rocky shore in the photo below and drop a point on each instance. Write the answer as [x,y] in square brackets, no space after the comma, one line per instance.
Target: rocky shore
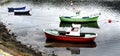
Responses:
[9,44]
[4,1]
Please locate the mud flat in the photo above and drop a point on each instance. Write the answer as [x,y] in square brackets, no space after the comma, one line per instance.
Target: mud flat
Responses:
[9,44]
[4,1]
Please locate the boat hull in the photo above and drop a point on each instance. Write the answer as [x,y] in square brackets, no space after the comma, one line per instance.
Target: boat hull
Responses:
[68,38]
[12,9]
[77,20]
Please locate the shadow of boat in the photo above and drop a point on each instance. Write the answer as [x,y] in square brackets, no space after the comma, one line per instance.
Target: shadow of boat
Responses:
[22,12]
[53,43]
[89,24]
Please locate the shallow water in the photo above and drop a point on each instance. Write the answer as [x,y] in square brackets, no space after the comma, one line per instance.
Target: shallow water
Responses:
[45,14]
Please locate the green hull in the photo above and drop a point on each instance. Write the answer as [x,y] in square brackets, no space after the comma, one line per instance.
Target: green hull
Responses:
[70,19]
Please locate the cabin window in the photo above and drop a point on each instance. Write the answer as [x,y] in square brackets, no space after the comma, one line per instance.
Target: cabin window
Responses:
[75,29]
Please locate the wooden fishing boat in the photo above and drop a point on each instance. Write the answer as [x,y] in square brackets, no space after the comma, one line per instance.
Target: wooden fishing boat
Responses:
[84,37]
[22,12]
[78,19]
[72,34]
[19,8]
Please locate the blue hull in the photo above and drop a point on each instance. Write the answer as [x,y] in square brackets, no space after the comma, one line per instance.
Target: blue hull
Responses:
[12,9]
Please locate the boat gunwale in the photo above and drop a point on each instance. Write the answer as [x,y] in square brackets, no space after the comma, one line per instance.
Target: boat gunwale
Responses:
[91,19]
[72,36]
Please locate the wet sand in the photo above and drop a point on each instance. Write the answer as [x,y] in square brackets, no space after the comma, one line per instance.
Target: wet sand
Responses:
[9,44]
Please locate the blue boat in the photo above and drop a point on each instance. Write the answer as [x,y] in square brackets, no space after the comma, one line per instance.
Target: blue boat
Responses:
[12,9]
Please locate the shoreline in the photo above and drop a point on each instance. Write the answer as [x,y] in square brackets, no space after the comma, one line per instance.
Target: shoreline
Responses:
[4,1]
[8,42]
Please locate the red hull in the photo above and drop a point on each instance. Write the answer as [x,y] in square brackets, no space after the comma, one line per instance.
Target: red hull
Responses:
[68,38]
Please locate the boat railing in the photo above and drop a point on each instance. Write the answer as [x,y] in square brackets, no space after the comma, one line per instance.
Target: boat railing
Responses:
[96,14]
[67,17]
[85,17]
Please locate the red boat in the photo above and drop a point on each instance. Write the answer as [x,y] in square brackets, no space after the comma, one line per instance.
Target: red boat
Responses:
[73,35]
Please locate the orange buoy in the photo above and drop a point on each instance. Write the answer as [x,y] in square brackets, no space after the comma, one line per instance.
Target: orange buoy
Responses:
[109,20]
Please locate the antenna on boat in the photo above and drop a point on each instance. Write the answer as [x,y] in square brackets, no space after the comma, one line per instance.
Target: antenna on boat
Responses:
[77,12]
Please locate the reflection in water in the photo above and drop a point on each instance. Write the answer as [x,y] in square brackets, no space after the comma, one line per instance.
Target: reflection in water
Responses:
[54,43]
[45,14]
[90,24]
[74,50]
[71,48]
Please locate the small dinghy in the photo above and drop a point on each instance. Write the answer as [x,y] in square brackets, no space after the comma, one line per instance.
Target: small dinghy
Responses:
[19,8]
[78,20]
